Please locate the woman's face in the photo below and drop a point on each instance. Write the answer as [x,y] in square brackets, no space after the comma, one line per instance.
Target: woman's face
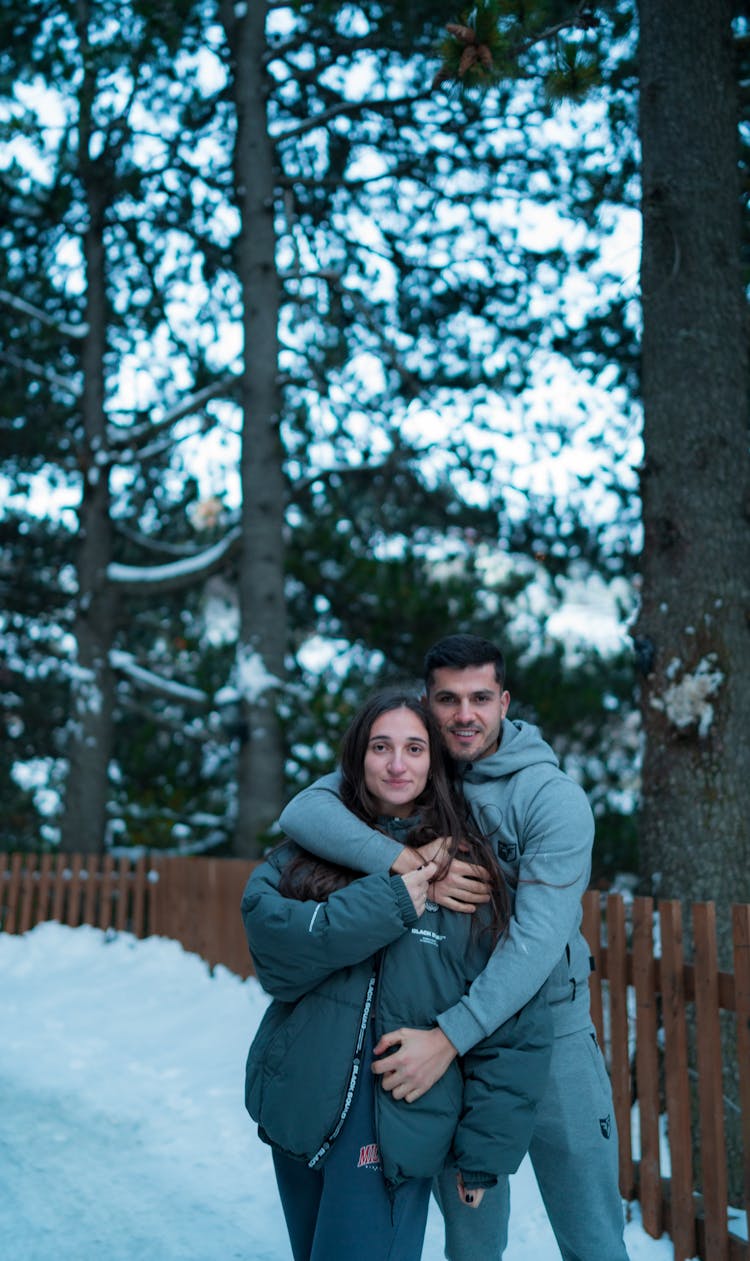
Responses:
[397,761]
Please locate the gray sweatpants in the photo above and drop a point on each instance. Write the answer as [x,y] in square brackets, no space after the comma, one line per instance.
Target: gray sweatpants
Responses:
[574,1154]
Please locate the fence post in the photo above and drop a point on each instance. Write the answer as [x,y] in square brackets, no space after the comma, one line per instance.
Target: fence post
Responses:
[677,1089]
[710,1094]
[12,901]
[647,1064]
[592,931]
[617,971]
[105,892]
[28,889]
[741,938]
[42,905]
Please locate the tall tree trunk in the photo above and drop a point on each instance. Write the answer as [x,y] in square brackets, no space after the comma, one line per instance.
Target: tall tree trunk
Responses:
[263,622]
[695,615]
[694,626]
[91,725]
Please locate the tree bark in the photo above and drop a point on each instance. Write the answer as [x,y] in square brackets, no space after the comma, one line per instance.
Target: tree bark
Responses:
[90,728]
[693,637]
[263,620]
[695,614]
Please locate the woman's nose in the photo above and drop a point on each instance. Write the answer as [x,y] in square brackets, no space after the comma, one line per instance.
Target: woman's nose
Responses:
[396,761]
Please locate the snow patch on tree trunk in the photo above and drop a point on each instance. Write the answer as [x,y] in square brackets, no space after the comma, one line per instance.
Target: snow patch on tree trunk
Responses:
[253,679]
[686,703]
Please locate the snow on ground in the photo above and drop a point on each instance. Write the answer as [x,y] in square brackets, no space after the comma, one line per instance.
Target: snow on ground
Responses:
[123,1134]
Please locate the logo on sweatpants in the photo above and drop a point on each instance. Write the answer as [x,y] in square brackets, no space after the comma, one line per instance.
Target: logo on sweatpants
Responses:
[369,1157]
[605,1125]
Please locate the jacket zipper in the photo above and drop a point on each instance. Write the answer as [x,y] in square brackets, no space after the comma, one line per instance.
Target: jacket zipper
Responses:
[390,1187]
[354,1074]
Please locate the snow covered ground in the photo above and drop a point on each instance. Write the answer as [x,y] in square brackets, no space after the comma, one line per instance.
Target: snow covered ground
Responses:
[123,1134]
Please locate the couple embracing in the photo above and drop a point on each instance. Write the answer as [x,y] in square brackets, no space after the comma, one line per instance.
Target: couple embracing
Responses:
[420,938]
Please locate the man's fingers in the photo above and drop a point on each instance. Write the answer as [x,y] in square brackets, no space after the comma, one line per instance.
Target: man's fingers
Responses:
[387,1040]
[453,904]
[470,871]
[413,1095]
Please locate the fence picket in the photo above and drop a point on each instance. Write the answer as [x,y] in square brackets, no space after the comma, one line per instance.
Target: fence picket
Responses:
[139,897]
[676,1081]
[45,886]
[90,890]
[741,937]
[27,892]
[123,894]
[710,1100]
[13,889]
[105,892]
[592,931]
[73,913]
[647,1064]
[617,972]
[61,878]
[4,857]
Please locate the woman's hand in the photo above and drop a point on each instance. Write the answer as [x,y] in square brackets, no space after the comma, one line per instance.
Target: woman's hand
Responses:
[473,1198]
[418,883]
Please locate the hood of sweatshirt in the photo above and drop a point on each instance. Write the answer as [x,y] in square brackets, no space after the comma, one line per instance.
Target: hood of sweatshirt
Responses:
[521,745]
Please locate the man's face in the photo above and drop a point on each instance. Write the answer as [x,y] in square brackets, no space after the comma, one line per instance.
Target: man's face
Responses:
[469,707]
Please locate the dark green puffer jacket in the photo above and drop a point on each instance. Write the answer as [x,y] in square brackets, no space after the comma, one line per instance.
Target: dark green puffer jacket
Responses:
[331,967]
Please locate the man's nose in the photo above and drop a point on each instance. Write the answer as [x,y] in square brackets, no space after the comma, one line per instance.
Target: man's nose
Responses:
[464,709]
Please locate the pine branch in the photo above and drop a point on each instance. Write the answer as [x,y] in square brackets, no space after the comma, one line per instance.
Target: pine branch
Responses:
[383,106]
[125,664]
[27,308]
[138,436]
[46,374]
[175,576]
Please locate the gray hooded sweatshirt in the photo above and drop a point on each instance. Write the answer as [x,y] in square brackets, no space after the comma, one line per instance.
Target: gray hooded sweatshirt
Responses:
[541,825]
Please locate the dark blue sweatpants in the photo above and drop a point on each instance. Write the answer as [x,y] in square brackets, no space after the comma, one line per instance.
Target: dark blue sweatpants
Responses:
[343,1209]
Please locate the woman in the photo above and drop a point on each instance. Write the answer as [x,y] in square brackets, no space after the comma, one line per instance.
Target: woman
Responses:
[347,957]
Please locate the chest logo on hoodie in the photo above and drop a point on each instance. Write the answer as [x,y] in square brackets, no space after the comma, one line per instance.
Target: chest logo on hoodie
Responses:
[489,819]
[428,938]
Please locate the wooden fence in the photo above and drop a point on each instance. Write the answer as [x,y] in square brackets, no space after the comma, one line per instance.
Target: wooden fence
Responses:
[647,1000]
[639,1000]
[196,901]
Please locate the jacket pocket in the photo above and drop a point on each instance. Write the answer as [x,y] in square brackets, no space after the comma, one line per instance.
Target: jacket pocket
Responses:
[567,979]
[281,1027]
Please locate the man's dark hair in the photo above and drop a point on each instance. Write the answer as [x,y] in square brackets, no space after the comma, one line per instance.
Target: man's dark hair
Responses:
[458,652]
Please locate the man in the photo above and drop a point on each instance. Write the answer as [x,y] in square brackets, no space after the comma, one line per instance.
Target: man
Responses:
[542,826]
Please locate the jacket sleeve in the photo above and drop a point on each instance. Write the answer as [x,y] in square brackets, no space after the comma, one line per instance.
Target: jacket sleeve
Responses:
[505,1076]
[318,820]
[554,873]
[296,944]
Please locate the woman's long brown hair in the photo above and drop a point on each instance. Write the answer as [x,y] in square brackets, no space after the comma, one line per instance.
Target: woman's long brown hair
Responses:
[439,809]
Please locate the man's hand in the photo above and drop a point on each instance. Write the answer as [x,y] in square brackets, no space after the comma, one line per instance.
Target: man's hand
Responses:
[422,1057]
[408,860]
[464,887]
